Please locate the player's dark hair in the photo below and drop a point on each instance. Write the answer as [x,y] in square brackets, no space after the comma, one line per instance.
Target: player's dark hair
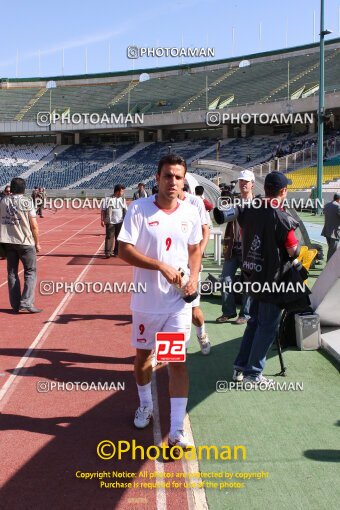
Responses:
[199,190]
[271,191]
[18,186]
[118,187]
[171,159]
[186,187]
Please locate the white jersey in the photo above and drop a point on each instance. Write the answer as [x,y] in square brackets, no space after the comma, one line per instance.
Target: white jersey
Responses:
[197,202]
[114,208]
[163,236]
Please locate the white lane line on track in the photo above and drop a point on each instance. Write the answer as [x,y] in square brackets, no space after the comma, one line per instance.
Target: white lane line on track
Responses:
[196,497]
[57,226]
[44,332]
[51,251]
[157,438]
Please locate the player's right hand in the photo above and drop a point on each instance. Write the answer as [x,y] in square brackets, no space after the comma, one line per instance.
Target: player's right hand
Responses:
[171,274]
[38,248]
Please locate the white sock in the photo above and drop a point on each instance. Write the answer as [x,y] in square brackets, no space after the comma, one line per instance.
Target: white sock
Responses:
[178,408]
[145,395]
[200,330]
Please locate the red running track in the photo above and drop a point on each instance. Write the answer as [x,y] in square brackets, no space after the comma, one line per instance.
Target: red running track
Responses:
[47,436]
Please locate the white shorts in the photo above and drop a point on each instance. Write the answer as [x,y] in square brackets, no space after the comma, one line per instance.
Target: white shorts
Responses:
[146,325]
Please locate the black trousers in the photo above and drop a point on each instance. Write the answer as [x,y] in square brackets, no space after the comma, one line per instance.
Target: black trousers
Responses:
[111,243]
[332,246]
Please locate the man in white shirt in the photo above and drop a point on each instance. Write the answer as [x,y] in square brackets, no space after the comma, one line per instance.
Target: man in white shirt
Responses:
[161,234]
[112,215]
[19,235]
[232,252]
[197,314]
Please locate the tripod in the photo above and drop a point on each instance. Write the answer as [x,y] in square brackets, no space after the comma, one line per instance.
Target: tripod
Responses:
[278,337]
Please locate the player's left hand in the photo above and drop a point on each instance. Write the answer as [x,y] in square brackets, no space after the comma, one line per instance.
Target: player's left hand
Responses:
[191,287]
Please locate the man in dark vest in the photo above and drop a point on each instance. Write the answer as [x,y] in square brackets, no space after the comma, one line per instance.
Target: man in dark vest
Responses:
[268,241]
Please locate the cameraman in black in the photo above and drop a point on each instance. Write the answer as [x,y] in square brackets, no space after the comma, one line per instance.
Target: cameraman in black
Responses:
[268,248]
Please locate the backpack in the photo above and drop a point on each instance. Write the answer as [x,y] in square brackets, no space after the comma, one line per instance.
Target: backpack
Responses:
[320,254]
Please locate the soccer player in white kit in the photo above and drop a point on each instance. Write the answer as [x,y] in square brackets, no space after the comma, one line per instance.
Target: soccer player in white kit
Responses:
[161,234]
[197,314]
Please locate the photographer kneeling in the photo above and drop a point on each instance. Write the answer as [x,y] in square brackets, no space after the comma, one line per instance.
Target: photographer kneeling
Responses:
[269,246]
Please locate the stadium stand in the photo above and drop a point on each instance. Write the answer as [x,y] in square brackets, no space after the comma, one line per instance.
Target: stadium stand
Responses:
[108,167]
[296,153]
[74,164]
[13,100]
[141,166]
[80,161]
[185,88]
[261,82]
[258,148]
[81,99]
[177,90]
[16,159]
[305,178]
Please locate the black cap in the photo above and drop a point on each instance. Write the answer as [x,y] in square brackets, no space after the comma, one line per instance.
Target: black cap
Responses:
[277,180]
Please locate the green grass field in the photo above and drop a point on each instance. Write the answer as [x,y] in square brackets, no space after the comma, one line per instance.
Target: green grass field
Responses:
[292,435]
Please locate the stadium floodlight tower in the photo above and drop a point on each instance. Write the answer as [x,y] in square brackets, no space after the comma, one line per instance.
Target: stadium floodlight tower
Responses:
[51,85]
[321,110]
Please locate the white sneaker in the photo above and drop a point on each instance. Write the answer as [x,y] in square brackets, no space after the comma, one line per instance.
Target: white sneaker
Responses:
[142,417]
[204,344]
[179,439]
[259,380]
[237,375]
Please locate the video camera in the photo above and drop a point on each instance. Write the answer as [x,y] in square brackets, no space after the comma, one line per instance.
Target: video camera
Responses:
[226,212]
[228,190]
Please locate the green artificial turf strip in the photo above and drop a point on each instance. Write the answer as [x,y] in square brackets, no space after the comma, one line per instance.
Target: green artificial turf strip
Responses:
[293,435]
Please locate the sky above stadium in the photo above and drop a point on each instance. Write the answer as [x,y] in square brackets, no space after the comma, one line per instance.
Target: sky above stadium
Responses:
[40,38]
